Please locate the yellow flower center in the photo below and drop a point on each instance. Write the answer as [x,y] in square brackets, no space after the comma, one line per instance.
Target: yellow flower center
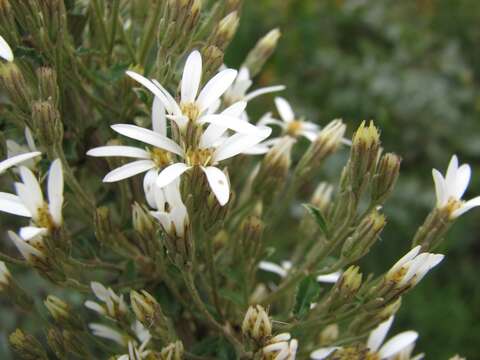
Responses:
[160,157]
[190,110]
[44,218]
[294,128]
[200,157]
[453,205]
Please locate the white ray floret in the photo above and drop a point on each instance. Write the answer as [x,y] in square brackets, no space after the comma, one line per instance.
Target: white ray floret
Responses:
[29,150]
[17,159]
[281,347]
[450,189]
[113,304]
[283,269]
[5,50]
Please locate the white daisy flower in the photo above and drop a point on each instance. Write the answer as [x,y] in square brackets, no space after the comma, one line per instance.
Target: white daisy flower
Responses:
[281,347]
[282,271]
[114,305]
[412,267]
[5,50]
[170,210]
[450,189]
[14,149]
[291,125]
[208,154]
[29,201]
[238,90]
[196,106]
[17,159]
[398,347]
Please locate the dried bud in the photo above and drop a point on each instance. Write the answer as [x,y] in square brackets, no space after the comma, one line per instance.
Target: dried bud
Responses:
[225,31]
[15,85]
[258,56]
[363,156]
[26,346]
[63,313]
[364,236]
[257,324]
[213,59]
[350,282]
[232,5]
[326,143]
[63,343]
[47,84]
[103,226]
[47,123]
[322,196]
[55,342]
[385,177]
[173,351]
[432,231]
[150,314]
[143,222]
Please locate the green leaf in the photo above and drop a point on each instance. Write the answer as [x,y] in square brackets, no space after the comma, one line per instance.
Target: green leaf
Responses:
[318,216]
[308,292]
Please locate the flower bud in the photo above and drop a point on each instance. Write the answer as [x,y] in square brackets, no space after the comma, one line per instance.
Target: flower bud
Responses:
[173,351]
[150,314]
[385,177]
[143,222]
[26,346]
[322,196]
[258,56]
[15,85]
[326,143]
[256,323]
[55,342]
[63,343]
[430,234]
[63,313]
[350,282]
[363,156]
[329,334]
[225,31]
[103,225]
[47,123]
[47,84]
[212,59]
[364,236]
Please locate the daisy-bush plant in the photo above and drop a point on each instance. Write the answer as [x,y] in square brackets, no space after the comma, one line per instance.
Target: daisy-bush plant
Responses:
[165,218]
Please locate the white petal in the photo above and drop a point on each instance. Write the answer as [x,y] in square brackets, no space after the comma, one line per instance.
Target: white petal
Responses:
[432,261]
[281,337]
[26,199]
[171,105]
[272,267]
[230,122]
[264,90]
[28,233]
[378,335]
[215,88]
[467,206]
[397,344]
[218,183]
[170,173]
[310,135]
[5,50]
[404,259]
[192,75]
[23,247]
[14,160]
[236,109]
[100,291]
[128,170]
[451,175]
[119,150]
[29,138]
[239,143]
[461,182]
[92,305]
[440,188]
[148,186]
[55,191]
[329,278]
[159,121]
[284,109]
[323,353]
[32,186]
[107,333]
[148,137]
[12,204]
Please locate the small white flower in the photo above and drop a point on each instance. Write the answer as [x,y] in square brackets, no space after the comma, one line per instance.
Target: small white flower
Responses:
[412,267]
[450,189]
[291,125]
[4,275]
[281,347]
[109,333]
[17,159]
[5,50]
[29,201]
[194,105]
[398,347]
[238,90]
[174,217]
[113,306]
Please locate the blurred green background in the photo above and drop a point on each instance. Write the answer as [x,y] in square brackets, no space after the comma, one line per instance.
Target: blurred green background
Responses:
[413,67]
